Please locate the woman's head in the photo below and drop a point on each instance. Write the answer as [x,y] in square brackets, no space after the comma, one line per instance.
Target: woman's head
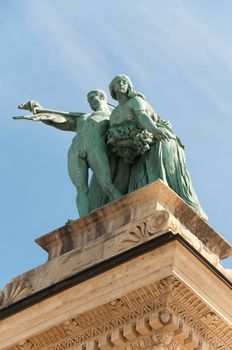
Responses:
[121,84]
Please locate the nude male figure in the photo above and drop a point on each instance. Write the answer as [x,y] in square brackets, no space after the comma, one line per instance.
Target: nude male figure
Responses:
[88,148]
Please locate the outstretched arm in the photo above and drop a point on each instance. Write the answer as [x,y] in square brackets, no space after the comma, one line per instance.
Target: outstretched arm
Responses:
[61,120]
[58,119]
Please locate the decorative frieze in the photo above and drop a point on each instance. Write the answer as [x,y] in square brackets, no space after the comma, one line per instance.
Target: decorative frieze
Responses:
[165,314]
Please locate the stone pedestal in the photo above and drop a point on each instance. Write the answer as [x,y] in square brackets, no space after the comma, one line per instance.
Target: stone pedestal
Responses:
[140,273]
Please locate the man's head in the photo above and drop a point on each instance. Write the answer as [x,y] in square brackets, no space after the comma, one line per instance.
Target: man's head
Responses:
[97,99]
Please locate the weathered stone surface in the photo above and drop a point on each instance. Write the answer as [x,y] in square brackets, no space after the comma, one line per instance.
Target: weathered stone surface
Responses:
[116,228]
[133,275]
[106,221]
[143,300]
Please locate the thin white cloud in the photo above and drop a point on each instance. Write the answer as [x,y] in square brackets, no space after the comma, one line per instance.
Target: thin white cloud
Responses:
[190,43]
[164,31]
[66,42]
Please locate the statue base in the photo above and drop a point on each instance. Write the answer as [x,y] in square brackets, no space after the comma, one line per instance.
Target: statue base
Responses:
[140,273]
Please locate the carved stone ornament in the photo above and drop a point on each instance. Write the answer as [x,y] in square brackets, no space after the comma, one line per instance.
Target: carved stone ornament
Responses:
[13,290]
[211,320]
[162,315]
[154,224]
[26,345]
[117,306]
[72,326]
[165,316]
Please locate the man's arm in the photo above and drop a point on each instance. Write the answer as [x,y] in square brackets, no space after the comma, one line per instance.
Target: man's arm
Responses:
[58,119]
[61,120]
[67,123]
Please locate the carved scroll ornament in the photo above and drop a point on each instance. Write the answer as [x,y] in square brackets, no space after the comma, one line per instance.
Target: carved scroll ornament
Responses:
[154,224]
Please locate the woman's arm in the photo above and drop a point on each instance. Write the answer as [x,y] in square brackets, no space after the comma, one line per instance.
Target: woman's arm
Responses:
[146,121]
[143,113]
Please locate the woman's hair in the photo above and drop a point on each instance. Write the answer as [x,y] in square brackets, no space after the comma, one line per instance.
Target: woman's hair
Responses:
[131,92]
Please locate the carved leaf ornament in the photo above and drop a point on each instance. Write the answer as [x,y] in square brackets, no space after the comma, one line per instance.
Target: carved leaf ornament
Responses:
[153,225]
[12,290]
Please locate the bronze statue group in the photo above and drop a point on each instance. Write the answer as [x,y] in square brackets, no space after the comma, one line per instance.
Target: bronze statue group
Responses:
[126,148]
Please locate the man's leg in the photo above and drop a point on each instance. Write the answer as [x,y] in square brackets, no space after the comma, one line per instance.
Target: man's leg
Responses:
[99,163]
[81,183]
[78,172]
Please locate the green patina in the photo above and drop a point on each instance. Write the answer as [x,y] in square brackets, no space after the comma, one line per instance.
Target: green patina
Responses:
[126,149]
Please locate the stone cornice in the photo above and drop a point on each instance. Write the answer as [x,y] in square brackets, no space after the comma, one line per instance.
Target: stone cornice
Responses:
[138,246]
[129,209]
[118,227]
[165,312]
[140,273]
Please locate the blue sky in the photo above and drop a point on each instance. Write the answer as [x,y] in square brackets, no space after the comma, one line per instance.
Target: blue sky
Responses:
[177,52]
